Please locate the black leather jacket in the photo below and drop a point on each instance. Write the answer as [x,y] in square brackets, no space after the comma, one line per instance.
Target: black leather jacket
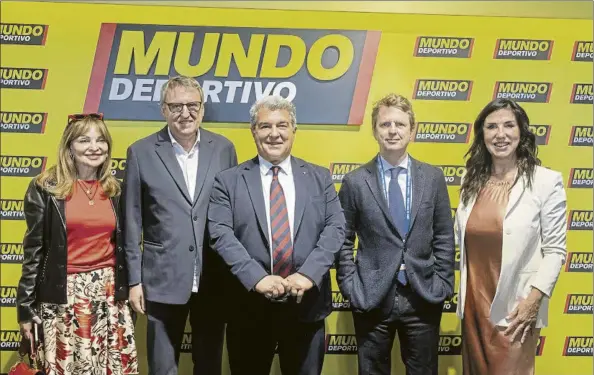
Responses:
[45,253]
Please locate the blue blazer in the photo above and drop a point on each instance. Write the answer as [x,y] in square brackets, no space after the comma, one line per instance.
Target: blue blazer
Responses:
[239,232]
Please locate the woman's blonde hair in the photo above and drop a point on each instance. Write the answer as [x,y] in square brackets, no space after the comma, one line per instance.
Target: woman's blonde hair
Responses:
[59,180]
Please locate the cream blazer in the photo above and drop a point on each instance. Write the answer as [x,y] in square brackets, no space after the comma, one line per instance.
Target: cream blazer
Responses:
[534,245]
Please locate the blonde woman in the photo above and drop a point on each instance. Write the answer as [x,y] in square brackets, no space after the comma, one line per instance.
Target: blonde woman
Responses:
[74,276]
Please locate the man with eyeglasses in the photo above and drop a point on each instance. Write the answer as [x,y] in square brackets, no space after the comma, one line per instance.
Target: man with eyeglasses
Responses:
[167,186]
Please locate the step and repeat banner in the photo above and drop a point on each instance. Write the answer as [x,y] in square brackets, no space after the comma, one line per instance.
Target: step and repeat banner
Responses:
[59,59]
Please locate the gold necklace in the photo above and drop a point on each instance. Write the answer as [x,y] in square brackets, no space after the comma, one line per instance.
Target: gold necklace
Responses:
[87,190]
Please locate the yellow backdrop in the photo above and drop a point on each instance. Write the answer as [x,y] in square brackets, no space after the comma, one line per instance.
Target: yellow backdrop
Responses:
[451,65]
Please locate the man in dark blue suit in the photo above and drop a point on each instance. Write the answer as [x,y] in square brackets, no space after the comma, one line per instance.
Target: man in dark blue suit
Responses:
[399,210]
[277,222]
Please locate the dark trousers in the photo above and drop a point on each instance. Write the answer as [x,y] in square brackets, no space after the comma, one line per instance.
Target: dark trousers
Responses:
[254,338]
[165,329]
[417,324]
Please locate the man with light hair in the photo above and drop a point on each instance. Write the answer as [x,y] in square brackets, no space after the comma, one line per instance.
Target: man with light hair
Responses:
[399,210]
[167,185]
[277,223]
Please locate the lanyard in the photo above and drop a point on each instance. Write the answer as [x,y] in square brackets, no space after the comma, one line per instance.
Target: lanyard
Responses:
[407,206]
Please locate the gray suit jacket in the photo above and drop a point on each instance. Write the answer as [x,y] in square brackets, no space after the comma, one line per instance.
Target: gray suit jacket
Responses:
[239,232]
[369,281]
[159,216]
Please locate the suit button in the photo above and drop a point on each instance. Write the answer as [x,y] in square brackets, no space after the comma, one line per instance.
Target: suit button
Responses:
[119,248]
[120,267]
[120,288]
[195,218]
[191,247]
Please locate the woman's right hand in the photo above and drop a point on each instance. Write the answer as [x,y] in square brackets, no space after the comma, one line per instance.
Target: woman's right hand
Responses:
[27,332]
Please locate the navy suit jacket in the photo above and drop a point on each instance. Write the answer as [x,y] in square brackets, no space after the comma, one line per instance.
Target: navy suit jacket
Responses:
[369,281]
[239,232]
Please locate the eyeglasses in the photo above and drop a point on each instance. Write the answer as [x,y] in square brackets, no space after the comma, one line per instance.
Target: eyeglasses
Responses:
[193,107]
[82,116]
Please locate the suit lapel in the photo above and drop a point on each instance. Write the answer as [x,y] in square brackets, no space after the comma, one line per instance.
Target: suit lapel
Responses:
[253,181]
[164,149]
[376,188]
[516,193]
[418,186]
[463,213]
[205,152]
[61,206]
[302,179]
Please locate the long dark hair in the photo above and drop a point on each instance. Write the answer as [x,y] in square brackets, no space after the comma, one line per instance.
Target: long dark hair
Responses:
[479,161]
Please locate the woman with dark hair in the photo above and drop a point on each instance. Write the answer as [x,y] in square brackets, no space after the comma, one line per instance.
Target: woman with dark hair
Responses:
[511,229]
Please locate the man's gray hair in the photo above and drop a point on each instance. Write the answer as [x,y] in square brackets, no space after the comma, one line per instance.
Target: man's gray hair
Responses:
[180,81]
[273,103]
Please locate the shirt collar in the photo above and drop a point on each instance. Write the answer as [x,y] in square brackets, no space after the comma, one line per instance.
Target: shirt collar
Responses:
[174,142]
[387,166]
[265,165]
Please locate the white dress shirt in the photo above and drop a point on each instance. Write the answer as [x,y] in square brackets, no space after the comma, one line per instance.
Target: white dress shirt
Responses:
[285,178]
[188,162]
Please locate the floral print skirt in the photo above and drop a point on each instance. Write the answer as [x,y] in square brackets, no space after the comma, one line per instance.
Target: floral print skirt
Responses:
[92,334]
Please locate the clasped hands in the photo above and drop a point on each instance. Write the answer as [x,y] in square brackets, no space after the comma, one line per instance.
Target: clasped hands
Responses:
[274,287]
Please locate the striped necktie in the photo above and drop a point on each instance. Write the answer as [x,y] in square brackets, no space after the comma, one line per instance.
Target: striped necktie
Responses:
[282,246]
